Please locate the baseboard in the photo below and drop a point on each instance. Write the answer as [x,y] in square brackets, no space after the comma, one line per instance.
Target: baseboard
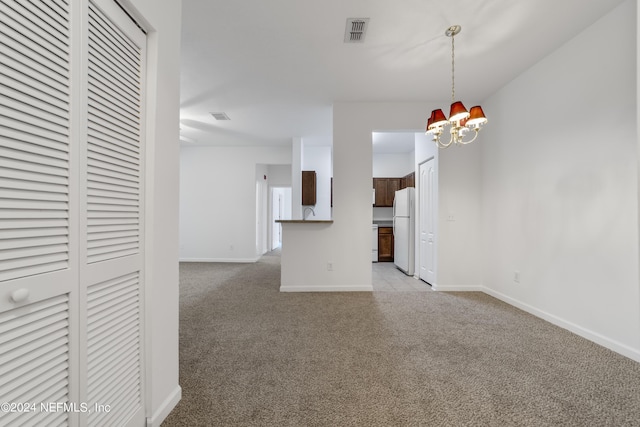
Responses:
[361,288]
[165,408]
[457,288]
[239,260]
[597,338]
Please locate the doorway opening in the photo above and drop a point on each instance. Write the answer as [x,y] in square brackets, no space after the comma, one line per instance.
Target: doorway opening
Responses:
[398,157]
[393,173]
[280,209]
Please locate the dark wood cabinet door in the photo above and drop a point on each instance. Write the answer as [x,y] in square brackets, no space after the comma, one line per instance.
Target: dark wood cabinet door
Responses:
[393,185]
[386,190]
[308,188]
[385,244]
[380,185]
[410,180]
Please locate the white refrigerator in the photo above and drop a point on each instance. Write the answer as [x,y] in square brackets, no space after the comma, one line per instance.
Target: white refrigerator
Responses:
[403,230]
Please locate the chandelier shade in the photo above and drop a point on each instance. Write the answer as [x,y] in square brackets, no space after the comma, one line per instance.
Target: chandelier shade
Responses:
[476,116]
[457,112]
[437,119]
[460,120]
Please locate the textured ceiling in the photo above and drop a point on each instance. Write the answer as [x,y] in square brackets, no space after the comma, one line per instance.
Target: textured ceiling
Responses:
[275,67]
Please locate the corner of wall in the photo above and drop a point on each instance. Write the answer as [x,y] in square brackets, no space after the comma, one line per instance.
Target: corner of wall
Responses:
[161,203]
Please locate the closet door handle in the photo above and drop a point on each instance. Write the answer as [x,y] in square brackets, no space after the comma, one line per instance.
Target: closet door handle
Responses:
[20,295]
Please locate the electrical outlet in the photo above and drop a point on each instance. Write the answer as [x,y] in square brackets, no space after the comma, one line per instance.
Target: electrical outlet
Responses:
[329,266]
[516,276]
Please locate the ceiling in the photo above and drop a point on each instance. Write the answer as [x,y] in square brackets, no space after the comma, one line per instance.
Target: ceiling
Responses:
[276,67]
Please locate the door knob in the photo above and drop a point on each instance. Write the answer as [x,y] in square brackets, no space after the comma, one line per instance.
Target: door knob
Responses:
[20,295]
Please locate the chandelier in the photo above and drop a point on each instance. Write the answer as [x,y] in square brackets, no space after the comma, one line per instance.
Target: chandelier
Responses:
[460,120]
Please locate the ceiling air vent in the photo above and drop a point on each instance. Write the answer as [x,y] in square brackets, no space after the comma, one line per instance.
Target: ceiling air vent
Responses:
[220,116]
[356,30]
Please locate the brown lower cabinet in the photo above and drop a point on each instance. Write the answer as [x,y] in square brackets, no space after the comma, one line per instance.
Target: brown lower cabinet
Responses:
[385,244]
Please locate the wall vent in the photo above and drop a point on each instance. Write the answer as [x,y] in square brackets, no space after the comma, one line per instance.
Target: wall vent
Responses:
[220,116]
[355,30]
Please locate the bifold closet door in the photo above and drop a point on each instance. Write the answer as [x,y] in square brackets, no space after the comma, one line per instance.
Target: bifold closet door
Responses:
[111,273]
[71,213]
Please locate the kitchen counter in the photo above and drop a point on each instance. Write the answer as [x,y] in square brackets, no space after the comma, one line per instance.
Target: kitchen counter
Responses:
[305,221]
[383,223]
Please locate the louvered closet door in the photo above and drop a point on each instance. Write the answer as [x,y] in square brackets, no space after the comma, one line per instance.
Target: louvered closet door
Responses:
[38,224]
[112,193]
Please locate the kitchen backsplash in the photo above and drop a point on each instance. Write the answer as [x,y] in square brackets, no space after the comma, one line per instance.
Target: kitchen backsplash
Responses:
[382,214]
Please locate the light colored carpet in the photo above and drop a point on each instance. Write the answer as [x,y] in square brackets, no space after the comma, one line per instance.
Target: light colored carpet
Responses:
[252,356]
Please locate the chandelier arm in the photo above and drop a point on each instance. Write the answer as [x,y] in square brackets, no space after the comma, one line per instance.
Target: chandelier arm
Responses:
[476,130]
[440,144]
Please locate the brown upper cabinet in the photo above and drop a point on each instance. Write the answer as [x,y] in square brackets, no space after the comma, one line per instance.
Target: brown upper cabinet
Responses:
[409,180]
[386,190]
[308,188]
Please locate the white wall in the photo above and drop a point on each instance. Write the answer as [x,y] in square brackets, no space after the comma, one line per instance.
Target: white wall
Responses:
[279,175]
[459,211]
[218,200]
[382,214]
[387,165]
[297,154]
[161,19]
[318,159]
[560,186]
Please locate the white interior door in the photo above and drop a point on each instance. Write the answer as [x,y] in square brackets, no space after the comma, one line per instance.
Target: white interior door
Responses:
[427,221]
[112,194]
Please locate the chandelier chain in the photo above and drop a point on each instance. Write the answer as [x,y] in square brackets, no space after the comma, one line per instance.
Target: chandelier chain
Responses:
[453,67]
